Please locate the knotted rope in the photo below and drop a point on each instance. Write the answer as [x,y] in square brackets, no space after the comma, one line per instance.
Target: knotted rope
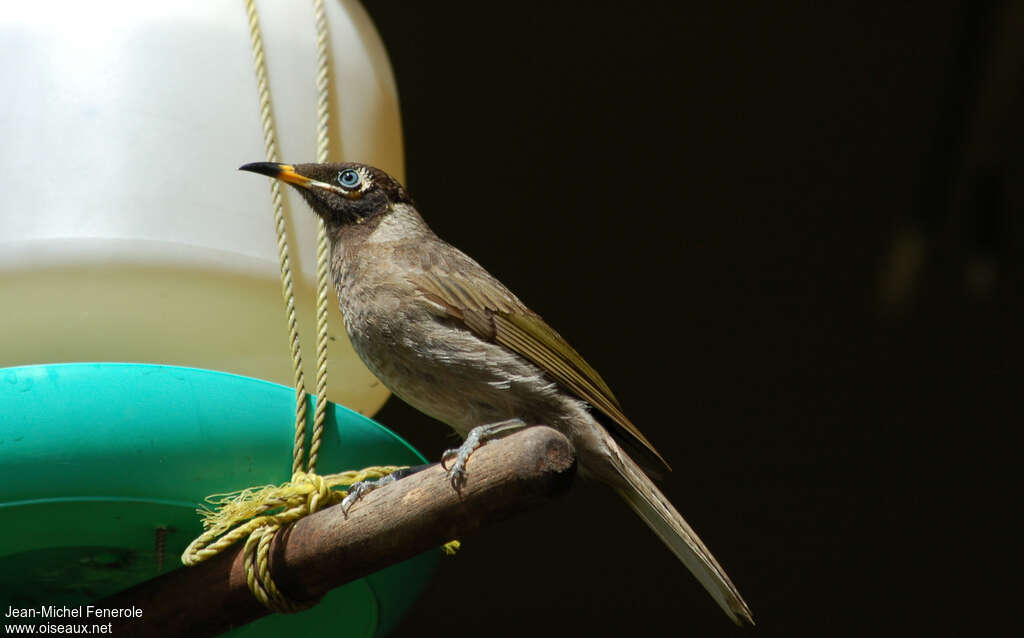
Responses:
[257,514]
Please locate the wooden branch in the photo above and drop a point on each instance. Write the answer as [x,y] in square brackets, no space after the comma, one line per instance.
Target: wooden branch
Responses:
[325,550]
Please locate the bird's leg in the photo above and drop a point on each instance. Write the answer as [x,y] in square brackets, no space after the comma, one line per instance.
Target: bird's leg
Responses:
[360,489]
[477,437]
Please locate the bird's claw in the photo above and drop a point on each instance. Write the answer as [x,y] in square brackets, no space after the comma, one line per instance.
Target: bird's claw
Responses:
[448,454]
[355,492]
[457,471]
[476,438]
[360,489]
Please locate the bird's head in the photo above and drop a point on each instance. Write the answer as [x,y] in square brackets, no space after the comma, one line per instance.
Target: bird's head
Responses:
[341,194]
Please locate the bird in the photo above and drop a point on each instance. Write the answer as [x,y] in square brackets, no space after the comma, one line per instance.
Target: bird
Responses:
[448,338]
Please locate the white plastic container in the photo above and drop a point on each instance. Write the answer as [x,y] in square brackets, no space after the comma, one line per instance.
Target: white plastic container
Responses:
[126,232]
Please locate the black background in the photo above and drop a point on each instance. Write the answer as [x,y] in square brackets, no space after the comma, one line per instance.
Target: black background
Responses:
[702,198]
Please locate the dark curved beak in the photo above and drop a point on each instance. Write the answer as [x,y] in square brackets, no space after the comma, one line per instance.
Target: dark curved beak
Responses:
[283,172]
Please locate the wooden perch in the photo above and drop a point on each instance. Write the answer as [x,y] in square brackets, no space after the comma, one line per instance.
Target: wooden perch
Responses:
[325,550]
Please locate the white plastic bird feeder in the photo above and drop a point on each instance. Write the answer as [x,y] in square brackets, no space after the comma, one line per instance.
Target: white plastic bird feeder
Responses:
[126,232]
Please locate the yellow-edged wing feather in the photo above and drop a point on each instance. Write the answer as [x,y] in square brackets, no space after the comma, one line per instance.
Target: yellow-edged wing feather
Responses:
[492,312]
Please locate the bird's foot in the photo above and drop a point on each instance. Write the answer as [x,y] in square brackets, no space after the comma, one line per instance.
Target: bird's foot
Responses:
[476,438]
[358,490]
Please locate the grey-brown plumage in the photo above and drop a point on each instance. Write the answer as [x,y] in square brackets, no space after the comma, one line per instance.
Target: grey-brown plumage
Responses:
[448,338]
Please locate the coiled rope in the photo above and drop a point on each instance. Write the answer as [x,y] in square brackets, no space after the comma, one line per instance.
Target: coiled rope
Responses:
[257,514]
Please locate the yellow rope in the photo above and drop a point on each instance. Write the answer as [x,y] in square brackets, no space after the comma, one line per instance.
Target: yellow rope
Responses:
[230,517]
[258,513]
[322,249]
[287,287]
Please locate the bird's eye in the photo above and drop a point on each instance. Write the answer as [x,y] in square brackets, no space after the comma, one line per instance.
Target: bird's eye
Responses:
[349,178]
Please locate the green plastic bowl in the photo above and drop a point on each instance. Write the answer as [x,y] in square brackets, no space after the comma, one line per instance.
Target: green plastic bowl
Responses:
[95,457]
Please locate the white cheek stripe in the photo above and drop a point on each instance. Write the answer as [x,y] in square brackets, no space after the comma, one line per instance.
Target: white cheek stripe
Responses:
[325,186]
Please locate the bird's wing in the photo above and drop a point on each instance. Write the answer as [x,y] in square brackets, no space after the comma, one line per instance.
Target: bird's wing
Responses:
[487,308]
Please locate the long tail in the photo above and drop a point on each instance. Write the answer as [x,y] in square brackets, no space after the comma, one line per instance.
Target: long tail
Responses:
[647,500]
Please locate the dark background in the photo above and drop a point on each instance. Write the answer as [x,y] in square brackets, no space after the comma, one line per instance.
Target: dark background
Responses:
[785,234]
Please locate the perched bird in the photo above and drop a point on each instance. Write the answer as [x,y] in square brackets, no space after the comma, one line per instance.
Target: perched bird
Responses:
[448,338]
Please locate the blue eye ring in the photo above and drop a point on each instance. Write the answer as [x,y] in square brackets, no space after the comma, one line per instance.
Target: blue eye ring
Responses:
[349,179]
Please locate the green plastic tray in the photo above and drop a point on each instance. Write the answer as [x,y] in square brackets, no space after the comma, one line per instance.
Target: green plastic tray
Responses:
[95,456]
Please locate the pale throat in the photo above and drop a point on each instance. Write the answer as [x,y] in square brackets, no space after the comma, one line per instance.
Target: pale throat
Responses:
[403,222]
